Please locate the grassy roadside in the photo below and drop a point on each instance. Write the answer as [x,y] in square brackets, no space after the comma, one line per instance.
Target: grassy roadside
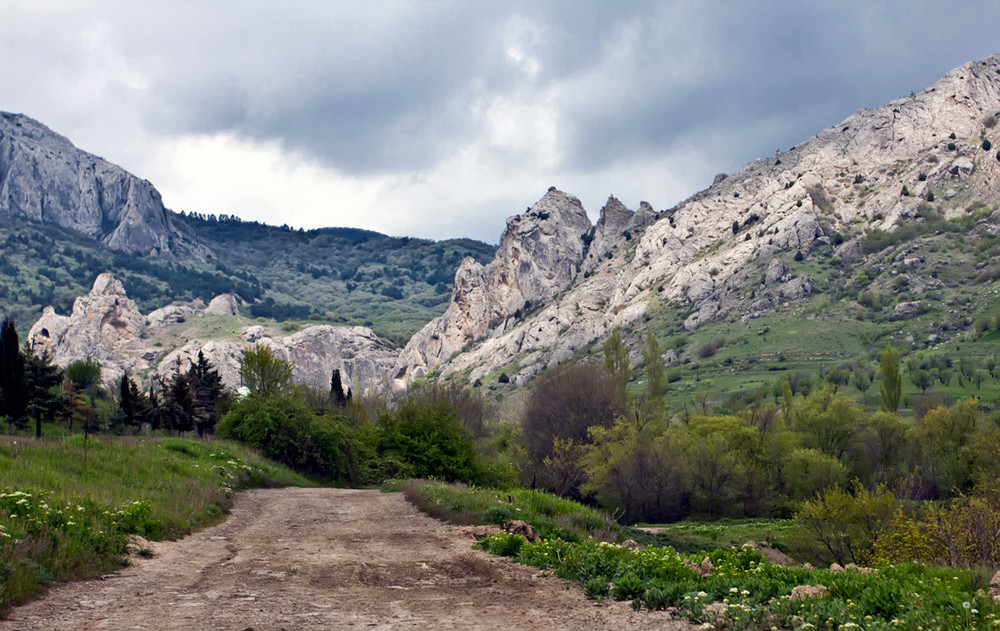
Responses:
[67,508]
[735,589]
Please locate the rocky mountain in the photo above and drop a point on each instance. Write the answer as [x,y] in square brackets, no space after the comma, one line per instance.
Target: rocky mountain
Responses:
[67,215]
[889,217]
[46,179]
[718,254]
[106,326]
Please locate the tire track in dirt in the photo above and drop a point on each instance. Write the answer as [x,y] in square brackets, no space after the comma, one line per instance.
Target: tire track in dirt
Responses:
[314,559]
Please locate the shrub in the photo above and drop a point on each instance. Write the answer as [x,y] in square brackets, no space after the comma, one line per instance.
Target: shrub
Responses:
[847,525]
[285,429]
[987,145]
[708,350]
[426,440]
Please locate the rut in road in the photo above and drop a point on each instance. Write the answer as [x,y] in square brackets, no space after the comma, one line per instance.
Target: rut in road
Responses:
[312,559]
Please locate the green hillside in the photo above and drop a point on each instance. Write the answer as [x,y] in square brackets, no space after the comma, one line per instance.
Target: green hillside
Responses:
[344,276]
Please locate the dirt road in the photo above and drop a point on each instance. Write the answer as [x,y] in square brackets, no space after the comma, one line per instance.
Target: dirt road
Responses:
[326,559]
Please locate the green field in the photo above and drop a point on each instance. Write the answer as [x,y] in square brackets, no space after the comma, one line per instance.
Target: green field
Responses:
[68,505]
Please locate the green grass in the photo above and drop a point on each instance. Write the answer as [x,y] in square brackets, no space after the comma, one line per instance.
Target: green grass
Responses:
[67,505]
[754,594]
[548,514]
[690,537]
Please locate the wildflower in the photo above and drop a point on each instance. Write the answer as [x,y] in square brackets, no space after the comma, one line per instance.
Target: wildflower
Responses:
[966,605]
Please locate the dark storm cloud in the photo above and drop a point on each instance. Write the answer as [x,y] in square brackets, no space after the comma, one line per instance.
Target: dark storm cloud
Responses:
[447,116]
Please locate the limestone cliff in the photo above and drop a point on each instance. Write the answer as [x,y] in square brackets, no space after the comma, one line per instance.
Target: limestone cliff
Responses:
[105,325]
[708,255]
[44,178]
[539,255]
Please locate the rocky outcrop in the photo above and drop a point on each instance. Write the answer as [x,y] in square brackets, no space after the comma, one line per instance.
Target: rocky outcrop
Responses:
[363,358]
[907,310]
[707,255]
[168,316]
[44,178]
[616,226]
[538,257]
[226,304]
[105,325]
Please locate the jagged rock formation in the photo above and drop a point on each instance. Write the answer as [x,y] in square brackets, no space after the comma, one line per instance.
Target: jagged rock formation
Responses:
[538,257]
[615,227]
[713,254]
[44,178]
[106,326]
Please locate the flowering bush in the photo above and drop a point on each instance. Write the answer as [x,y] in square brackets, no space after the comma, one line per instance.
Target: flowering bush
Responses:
[751,593]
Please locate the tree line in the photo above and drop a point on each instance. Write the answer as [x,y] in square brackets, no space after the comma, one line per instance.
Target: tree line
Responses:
[32,389]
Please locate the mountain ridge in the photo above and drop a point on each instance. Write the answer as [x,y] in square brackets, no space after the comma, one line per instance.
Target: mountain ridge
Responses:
[558,284]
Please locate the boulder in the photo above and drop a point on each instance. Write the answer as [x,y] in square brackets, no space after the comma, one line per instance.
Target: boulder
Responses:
[795,289]
[703,315]
[776,269]
[961,168]
[907,310]
[168,316]
[223,305]
[850,250]
[518,527]
[801,592]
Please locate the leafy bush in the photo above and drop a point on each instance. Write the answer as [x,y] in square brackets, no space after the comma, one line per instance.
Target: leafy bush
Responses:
[849,525]
[427,441]
[285,429]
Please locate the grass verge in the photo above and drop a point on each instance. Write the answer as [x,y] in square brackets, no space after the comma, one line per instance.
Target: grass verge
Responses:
[549,515]
[68,506]
[742,591]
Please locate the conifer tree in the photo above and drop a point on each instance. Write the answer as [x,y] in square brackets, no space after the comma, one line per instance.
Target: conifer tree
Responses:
[13,384]
[337,389]
[42,380]
[206,388]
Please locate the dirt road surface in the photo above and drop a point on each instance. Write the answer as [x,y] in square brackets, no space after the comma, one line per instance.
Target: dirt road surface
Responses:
[291,559]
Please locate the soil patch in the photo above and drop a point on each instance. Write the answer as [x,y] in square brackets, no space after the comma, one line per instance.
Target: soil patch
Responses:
[326,559]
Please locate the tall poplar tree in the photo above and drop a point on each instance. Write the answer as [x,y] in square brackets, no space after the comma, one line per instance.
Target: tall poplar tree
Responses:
[891,386]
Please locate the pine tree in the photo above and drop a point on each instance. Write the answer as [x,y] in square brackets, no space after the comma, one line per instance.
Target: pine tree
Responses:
[45,399]
[178,405]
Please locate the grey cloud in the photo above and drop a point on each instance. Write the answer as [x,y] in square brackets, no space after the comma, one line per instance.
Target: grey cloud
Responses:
[393,87]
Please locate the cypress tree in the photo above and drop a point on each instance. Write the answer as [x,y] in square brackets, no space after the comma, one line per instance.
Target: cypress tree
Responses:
[13,383]
[337,389]
[892,381]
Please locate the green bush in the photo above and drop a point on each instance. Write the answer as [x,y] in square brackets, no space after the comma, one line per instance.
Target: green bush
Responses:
[429,441]
[286,429]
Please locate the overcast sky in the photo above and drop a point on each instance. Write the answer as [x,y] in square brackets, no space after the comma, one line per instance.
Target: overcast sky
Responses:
[440,119]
